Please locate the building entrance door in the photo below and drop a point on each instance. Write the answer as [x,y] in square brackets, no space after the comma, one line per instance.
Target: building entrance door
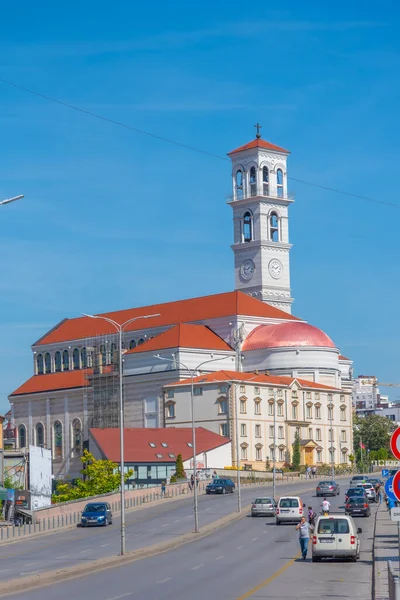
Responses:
[309,455]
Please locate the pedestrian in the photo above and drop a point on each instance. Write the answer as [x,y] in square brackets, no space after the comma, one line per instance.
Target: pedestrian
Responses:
[191,482]
[214,475]
[304,530]
[314,472]
[163,487]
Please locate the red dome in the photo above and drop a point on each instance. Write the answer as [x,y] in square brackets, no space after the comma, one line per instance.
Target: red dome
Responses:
[287,335]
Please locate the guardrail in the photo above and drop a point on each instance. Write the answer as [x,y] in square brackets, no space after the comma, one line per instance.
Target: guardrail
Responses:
[394,582]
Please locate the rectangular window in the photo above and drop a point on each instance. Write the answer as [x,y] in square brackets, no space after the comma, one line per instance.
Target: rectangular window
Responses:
[281,454]
[343,436]
[319,456]
[257,390]
[330,413]
[242,389]
[198,391]
[318,435]
[222,407]
[330,397]
[222,389]
[280,393]
[257,408]
[270,409]
[310,433]
[161,472]
[294,412]
[317,412]
[153,472]
[258,453]
[170,394]
[223,429]
[331,435]
[258,430]
[343,414]
[309,412]
[171,410]
[294,393]
[243,430]
[243,453]
[316,396]
[280,433]
[342,398]
[308,395]
[142,472]
[243,407]
[270,392]
[271,431]
[280,410]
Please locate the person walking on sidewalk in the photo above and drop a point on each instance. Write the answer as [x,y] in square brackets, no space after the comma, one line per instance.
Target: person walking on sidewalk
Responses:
[304,530]
[163,487]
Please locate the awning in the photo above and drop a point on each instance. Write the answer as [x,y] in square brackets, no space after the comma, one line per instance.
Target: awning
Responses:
[24,511]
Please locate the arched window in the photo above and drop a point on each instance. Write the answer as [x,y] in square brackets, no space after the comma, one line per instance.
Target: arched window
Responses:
[39,434]
[114,356]
[57,361]
[22,436]
[47,362]
[58,440]
[65,360]
[76,437]
[247,227]
[75,358]
[40,364]
[103,354]
[253,181]
[273,227]
[84,358]
[141,341]
[132,344]
[279,183]
[265,174]
[239,185]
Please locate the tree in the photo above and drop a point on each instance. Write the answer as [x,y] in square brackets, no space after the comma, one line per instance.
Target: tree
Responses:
[180,471]
[99,477]
[296,452]
[10,484]
[382,454]
[374,431]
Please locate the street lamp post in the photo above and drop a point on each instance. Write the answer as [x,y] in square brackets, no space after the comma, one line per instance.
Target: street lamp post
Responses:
[332,456]
[9,200]
[239,489]
[120,328]
[192,375]
[274,455]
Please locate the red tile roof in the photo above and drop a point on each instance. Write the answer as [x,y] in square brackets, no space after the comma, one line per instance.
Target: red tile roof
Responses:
[137,443]
[171,313]
[259,143]
[184,336]
[223,375]
[341,357]
[54,381]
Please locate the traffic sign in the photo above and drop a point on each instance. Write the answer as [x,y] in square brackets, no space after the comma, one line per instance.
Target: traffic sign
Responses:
[396,485]
[385,472]
[395,443]
[389,489]
[395,514]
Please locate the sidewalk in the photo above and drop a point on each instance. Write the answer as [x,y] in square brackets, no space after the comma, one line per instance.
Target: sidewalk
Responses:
[386,548]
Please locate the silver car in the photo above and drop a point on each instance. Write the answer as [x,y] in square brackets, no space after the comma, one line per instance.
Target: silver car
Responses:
[263,507]
[369,491]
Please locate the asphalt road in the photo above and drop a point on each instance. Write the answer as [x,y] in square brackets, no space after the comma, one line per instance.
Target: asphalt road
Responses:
[144,527]
[252,558]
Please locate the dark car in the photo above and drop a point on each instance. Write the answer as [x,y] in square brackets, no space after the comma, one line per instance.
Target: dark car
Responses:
[375,482]
[96,513]
[327,488]
[357,506]
[355,491]
[220,486]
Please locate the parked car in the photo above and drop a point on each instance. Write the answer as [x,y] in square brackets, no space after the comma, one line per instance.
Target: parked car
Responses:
[327,488]
[96,513]
[263,506]
[369,490]
[355,491]
[220,486]
[290,508]
[336,536]
[357,506]
[356,479]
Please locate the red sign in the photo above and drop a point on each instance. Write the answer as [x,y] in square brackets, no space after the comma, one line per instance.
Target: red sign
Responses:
[396,485]
[395,443]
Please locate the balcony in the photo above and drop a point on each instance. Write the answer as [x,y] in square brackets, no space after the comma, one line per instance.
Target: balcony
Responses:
[261,193]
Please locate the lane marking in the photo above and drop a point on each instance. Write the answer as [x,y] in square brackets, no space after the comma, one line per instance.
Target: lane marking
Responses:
[31,572]
[265,532]
[165,525]
[121,596]
[5,570]
[270,579]
[31,564]
[208,508]
[83,551]
[104,545]
[177,521]
[219,557]
[164,580]
[197,567]
[151,530]
[238,548]
[254,539]
[65,556]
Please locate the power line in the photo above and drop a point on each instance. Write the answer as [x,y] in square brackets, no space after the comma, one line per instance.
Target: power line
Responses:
[180,144]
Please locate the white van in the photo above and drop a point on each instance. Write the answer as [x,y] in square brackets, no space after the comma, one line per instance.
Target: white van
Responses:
[335,536]
[290,508]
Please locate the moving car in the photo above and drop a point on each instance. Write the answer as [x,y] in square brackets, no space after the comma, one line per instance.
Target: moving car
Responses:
[357,506]
[327,488]
[290,508]
[369,490]
[220,486]
[96,513]
[336,536]
[375,482]
[355,491]
[263,506]
[356,479]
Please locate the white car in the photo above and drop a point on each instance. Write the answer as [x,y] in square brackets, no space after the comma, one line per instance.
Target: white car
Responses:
[369,490]
[289,509]
[336,536]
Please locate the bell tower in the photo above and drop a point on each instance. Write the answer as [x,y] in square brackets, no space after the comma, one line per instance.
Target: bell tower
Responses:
[260,204]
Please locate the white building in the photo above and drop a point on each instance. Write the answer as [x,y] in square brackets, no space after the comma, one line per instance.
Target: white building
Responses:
[75,383]
[365,394]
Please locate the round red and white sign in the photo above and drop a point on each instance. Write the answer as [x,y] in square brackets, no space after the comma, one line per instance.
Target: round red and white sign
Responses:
[396,485]
[395,443]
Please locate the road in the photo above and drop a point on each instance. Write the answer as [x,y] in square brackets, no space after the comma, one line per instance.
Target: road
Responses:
[252,558]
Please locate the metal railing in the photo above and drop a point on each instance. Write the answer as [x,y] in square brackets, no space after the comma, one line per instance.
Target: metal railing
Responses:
[394,582]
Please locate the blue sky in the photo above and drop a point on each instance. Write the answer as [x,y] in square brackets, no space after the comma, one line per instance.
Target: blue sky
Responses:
[114,219]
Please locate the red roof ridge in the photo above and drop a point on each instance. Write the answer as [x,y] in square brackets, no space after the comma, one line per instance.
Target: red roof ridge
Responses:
[259,143]
[341,357]
[184,335]
[62,380]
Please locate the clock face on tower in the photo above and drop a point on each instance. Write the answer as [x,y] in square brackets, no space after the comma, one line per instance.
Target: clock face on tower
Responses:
[247,269]
[275,268]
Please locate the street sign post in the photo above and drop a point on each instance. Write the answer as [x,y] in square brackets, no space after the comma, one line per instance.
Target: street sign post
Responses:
[389,489]
[396,485]
[395,443]
[385,472]
[395,514]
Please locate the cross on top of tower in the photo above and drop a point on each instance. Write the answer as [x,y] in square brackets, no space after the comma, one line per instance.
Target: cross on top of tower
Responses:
[258,127]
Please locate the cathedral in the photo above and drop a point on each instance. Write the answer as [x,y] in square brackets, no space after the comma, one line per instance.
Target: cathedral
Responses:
[248,335]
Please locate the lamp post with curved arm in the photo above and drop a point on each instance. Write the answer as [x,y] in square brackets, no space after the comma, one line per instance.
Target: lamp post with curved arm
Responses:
[120,328]
[192,375]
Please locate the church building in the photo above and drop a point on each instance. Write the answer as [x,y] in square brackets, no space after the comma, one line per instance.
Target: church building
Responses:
[75,381]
